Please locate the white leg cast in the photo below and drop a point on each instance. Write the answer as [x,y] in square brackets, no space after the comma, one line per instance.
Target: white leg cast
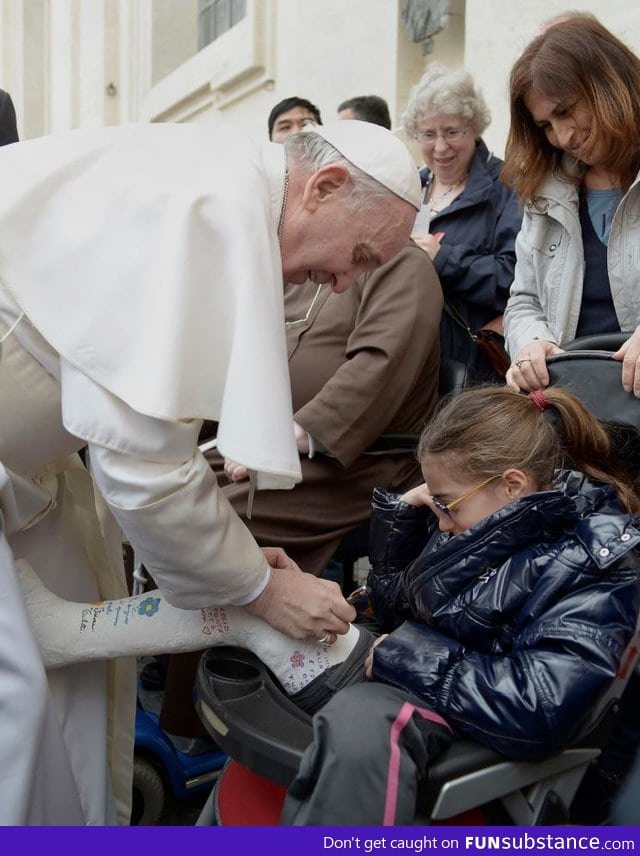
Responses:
[143,625]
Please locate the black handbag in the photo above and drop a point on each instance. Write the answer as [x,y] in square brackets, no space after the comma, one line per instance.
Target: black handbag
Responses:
[487,338]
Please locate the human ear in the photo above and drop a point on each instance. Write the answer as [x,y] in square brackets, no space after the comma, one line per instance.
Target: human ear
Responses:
[517,483]
[325,182]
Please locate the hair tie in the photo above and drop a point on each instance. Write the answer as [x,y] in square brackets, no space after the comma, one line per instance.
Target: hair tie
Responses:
[540,400]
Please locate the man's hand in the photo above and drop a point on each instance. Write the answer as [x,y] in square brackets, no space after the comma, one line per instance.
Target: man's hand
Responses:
[234,472]
[429,243]
[629,353]
[302,439]
[301,605]
[529,369]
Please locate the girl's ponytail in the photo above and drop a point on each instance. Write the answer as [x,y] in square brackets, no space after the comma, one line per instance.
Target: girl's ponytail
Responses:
[488,429]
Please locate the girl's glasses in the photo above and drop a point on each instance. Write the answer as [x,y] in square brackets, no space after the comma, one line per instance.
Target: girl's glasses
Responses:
[447,508]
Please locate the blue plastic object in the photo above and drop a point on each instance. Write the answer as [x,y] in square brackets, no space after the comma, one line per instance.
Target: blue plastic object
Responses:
[187,774]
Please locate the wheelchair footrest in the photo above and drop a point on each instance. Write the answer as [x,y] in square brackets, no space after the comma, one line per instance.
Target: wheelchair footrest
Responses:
[248,714]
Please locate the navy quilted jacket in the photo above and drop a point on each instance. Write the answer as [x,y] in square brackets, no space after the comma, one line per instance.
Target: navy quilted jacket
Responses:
[514,629]
[477,256]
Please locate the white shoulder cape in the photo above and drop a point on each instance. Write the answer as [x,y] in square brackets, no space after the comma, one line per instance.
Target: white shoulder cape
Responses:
[147,256]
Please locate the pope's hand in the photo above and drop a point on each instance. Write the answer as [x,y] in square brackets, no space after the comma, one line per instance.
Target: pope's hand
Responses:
[277,558]
[301,605]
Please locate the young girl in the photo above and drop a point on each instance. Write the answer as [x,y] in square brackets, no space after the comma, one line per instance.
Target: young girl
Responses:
[506,589]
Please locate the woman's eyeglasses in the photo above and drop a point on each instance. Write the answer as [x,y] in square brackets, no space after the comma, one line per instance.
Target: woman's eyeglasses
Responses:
[450,135]
[447,508]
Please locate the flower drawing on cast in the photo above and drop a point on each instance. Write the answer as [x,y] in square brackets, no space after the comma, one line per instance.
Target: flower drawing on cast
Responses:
[297,659]
[149,606]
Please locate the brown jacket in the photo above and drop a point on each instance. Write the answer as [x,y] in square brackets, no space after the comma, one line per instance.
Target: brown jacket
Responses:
[362,363]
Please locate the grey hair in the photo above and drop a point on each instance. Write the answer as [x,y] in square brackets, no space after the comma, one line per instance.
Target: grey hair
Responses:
[311,152]
[442,90]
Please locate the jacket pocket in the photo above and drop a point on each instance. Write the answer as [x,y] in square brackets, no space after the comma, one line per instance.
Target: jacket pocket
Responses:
[543,235]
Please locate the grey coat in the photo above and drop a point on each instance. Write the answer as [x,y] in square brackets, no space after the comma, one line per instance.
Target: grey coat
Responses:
[546,294]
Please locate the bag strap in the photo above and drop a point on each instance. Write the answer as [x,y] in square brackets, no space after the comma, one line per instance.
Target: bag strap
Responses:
[455,315]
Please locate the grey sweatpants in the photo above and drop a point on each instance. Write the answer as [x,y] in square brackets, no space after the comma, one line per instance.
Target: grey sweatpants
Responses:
[372,743]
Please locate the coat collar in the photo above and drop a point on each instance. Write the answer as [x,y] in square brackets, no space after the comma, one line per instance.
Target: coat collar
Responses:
[482,175]
[591,510]
[555,188]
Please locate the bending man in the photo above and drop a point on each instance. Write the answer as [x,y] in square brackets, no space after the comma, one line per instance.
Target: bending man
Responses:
[132,307]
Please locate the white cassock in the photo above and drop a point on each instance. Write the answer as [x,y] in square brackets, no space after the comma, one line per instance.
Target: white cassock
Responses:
[140,293]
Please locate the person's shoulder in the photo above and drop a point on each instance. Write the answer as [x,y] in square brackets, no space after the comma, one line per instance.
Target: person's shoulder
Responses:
[488,169]
[410,260]
[492,165]
[410,269]
[487,158]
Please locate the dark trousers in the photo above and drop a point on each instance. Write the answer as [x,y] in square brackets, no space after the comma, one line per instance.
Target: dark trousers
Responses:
[372,744]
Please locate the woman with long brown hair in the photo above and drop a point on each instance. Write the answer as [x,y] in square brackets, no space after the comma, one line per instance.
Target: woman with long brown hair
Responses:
[573,157]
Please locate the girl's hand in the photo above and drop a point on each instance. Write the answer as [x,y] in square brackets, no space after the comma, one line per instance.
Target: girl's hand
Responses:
[368,663]
[417,496]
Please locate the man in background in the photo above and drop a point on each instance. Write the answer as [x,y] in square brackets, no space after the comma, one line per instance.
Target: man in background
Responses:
[8,127]
[367,108]
[291,115]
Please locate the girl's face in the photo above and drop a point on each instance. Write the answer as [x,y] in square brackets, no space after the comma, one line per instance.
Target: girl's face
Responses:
[567,128]
[460,503]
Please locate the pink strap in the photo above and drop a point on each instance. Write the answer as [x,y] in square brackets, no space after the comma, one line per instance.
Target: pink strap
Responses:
[393,776]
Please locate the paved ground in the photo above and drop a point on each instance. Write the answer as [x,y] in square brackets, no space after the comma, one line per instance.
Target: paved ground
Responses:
[182,812]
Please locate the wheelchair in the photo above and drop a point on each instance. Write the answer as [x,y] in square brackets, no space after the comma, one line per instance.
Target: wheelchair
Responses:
[265,735]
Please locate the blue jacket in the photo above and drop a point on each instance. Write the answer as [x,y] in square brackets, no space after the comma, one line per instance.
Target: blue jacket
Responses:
[514,629]
[477,257]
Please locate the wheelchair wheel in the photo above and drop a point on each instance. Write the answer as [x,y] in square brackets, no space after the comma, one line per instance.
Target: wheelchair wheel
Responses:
[148,794]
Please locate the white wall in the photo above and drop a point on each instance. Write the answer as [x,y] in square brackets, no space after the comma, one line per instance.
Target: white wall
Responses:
[72,63]
[497,31]
[324,51]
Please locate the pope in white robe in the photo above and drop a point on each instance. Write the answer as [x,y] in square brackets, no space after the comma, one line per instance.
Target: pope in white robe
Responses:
[141,292]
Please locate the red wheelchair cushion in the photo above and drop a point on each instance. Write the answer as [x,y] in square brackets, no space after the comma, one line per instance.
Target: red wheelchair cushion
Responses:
[244,798]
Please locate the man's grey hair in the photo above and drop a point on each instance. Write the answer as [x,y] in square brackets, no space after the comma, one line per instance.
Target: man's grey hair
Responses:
[311,152]
[441,90]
